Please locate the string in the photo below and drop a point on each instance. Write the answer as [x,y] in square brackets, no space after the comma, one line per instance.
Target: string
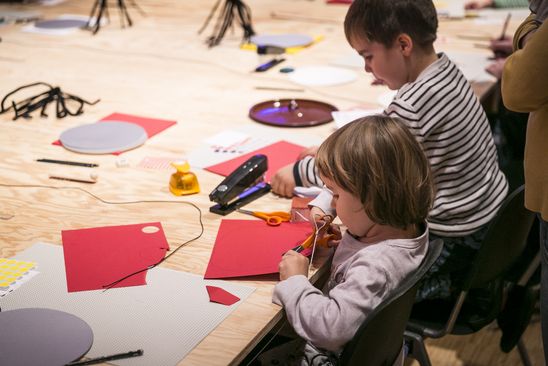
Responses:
[110,285]
[54,94]
[226,19]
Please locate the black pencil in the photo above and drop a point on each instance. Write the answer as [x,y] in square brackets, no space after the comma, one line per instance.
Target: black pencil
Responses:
[65,162]
[117,356]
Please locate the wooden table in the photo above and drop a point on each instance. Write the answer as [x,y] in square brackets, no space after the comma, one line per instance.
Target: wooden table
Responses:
[161,68]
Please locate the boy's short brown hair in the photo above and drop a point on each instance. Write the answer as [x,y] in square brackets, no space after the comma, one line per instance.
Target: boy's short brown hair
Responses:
[377,159]
[383,20]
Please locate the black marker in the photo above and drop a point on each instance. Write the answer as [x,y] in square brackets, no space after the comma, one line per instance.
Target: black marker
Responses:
[269,64]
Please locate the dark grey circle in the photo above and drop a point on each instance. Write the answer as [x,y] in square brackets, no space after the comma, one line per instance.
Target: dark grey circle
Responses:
[60,23]
[40,337]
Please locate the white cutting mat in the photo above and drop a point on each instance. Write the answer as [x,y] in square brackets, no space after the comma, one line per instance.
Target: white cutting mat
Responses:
[166,318]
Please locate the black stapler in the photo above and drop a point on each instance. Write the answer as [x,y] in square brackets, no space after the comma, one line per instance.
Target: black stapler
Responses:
[242,186]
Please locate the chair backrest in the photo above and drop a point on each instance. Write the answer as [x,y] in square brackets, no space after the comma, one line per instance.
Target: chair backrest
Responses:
[504,241]
[379,339]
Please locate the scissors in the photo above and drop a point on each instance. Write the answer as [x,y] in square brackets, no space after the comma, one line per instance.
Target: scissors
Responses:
[310,240]
[271,218]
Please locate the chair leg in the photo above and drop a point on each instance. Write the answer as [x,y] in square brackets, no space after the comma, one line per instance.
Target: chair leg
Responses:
[523,354]
[417,349]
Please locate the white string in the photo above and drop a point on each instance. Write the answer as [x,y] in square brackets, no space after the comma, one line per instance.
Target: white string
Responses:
[316,231]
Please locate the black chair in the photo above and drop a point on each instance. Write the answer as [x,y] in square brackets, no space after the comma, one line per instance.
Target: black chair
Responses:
[505,240]
[379,339]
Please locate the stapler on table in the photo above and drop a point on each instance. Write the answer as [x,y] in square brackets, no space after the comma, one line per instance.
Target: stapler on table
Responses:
[242,186]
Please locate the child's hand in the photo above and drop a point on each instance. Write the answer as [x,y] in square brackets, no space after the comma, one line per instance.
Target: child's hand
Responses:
[293,264]
[312,150]
[283,181]
[319,219]
[335,231]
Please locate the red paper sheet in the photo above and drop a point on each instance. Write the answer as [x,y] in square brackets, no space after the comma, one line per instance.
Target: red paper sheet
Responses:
[279,155]
[96,257]
[221,296]
[152,126]
[251,247]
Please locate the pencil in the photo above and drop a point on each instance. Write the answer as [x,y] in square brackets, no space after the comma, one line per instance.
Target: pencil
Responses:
[77,180]
[117,356]
[505,26]
[65,162]
[279,89]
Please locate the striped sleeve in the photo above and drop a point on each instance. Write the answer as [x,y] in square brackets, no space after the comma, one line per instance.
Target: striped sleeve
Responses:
[448,120]
[306,174]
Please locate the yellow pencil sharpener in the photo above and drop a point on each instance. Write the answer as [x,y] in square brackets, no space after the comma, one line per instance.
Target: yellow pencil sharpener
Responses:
[183,181]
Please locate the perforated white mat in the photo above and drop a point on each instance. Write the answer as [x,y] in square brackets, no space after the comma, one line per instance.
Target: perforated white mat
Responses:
[166,318]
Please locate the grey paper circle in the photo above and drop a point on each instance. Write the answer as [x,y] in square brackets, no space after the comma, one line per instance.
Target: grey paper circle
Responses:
[282,40]
[60,23]
[103,137]
[42,337]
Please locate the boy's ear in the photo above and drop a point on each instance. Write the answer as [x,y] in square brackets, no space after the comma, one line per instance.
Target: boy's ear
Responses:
[405,44]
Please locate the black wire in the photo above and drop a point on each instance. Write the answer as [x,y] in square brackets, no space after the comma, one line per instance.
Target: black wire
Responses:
[54,94]
[110,285]
[226,19]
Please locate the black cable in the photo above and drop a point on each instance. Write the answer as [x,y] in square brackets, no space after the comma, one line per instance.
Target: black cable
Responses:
[226,19]
[40,101]
[110,285]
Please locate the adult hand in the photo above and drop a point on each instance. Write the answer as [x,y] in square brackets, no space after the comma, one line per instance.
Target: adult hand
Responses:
[501,47]
[309,151]
[283,181]
[293,264]
[478,4]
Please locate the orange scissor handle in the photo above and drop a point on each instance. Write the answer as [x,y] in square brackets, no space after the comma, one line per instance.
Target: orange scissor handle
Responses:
[273,218]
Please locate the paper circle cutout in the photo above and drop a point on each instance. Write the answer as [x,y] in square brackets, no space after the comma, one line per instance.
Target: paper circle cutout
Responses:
[322,76]
[35,337]
[60,23]
[103,137]
[282,40]
[292,112]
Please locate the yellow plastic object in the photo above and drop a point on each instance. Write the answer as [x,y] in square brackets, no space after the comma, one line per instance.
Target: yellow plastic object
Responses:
[183,181]
[289,50]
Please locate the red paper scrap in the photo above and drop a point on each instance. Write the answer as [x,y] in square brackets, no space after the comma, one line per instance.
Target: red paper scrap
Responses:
[251,247]
[221,296]
[152,126]
[279,154]
[96,257]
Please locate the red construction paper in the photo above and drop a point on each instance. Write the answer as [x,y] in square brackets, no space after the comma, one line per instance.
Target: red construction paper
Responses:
[279,155]
[152,126]
[96,257]
[251,247]
[221,296]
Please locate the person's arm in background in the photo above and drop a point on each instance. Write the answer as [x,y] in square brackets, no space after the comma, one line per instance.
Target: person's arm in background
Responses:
[510,3]
[479,4]
[525,71]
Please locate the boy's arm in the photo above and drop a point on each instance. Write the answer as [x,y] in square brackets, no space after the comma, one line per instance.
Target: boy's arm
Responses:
[306,174]
[303,173]
[525,76]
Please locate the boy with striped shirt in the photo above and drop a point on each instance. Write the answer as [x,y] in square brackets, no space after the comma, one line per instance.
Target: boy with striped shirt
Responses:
[395,39]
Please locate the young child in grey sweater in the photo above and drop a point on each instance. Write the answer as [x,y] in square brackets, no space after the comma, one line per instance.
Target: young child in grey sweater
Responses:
[382,191]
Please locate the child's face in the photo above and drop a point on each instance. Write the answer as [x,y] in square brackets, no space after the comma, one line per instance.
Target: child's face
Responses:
[386,64]
[349,209]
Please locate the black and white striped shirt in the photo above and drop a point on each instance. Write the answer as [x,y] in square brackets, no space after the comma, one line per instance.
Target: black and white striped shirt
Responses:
[446,117]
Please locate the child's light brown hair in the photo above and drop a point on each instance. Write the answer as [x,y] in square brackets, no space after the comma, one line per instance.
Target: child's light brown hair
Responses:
[377,159]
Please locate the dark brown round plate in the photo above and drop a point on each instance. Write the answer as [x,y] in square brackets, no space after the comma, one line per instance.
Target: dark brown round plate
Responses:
[292,112]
